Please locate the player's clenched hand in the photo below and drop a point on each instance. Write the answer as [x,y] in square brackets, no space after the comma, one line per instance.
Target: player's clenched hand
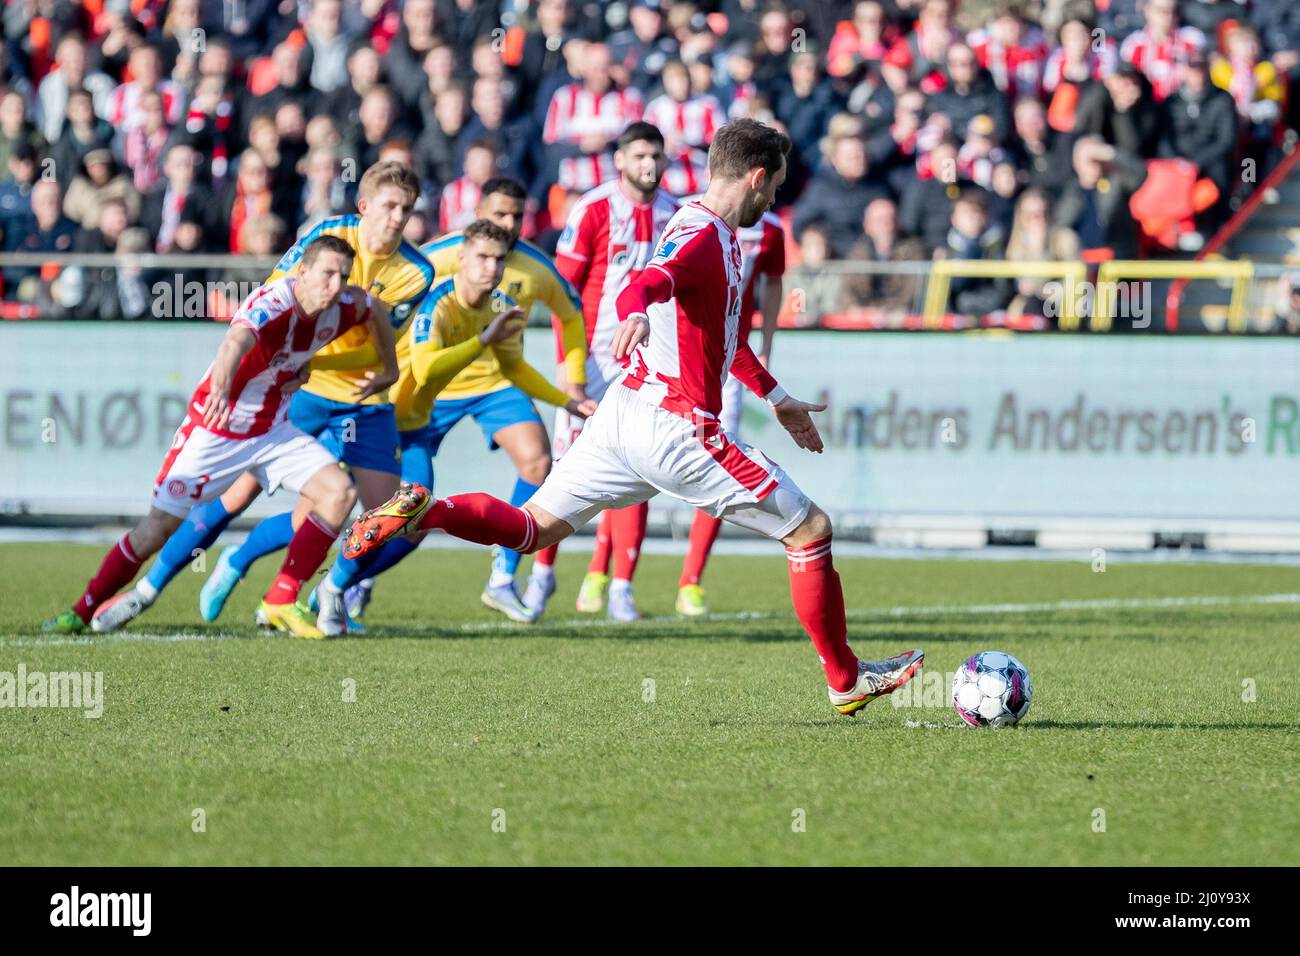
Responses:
[583,409]
[297,382]
[795,418]
[631,332]
[503,326]
[376,382]
[216,410]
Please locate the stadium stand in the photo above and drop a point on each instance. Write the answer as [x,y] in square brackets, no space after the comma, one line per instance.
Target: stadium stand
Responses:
[923,130]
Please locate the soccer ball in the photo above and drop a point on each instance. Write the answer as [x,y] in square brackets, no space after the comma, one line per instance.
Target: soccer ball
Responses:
[991,689]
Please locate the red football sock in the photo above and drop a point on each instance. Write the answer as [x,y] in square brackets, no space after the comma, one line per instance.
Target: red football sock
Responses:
[704,531]
[307,550]
[484,520]
[600,554]
[626,535]
[546,557]
[819,605]
[116,571]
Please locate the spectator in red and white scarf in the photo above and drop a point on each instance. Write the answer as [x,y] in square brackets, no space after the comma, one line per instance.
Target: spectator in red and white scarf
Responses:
[146,71]
[143,145]
[1014,53]
[1161,47]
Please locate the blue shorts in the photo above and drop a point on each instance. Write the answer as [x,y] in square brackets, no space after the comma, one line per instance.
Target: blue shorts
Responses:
[491,412]
[360,436]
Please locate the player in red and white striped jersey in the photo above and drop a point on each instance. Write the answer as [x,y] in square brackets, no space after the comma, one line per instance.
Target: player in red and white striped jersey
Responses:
[762,256]
[237,422]
[1160,49]
[607,241]
[658,431]
[586,118]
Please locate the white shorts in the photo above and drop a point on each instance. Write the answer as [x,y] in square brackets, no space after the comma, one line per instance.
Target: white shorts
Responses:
[600,376]
[201,466]
[631,451]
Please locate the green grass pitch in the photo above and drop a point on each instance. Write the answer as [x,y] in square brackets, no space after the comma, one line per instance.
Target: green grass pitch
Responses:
[1159,733]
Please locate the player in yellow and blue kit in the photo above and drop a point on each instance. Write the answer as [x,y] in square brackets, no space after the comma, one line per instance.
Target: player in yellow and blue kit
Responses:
[465,322]
[499,407]
[361,432]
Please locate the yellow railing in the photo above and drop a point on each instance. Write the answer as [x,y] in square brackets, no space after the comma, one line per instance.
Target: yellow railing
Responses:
[941,275]
[1075,290]
[1117,270]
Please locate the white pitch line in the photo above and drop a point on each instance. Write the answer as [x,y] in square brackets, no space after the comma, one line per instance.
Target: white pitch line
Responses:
[886,613]
[908,611]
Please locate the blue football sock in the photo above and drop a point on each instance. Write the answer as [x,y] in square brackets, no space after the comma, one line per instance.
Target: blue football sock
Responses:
[347,572]
[197,532]
[505,561]
[270,534]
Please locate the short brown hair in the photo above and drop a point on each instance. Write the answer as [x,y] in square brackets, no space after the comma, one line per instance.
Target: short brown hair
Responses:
[746,144]
[325,244]
[389,173]
[486,229]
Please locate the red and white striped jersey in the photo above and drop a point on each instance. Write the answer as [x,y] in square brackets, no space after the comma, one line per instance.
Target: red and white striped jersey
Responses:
[691,123]
[286,340]
[124,105]
[1161,60]
[607,241]
[1101,63]
[1017,70]
[687,173]
[762,253]
[585,173]
[575,112]
[456,207]
[691,292]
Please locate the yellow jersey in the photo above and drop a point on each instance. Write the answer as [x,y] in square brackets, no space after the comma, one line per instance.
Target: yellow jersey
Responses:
[529,277]
[399,280]
[443,341]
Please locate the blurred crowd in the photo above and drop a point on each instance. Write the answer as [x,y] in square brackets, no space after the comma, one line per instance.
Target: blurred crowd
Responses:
[1031,129]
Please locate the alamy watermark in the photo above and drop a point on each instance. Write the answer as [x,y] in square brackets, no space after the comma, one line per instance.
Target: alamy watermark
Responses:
[76,690]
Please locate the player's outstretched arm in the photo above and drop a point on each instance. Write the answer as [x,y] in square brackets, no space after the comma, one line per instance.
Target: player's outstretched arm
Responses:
[510,356]
[239,341]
